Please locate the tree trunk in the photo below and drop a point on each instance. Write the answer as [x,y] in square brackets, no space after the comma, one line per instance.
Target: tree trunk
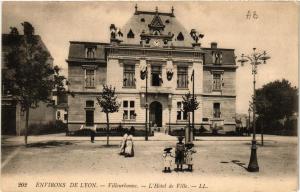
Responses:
[26,126]
[107,131]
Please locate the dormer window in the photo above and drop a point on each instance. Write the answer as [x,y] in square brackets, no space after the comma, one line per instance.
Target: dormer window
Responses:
[180,37]
[217,57]
[130,34]
[90,52]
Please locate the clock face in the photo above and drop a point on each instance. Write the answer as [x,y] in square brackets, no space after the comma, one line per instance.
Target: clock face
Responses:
[156,43]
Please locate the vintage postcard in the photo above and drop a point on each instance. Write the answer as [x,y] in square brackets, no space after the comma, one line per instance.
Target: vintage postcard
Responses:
[149,96]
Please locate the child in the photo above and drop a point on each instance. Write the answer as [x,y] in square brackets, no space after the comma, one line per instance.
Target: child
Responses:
[168,158]
[189,156]
[179,153]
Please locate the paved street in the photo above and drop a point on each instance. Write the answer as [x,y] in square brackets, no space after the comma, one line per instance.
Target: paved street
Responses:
[220,164]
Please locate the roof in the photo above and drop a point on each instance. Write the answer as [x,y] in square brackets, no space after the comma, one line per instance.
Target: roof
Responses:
[77,50]
[145,22]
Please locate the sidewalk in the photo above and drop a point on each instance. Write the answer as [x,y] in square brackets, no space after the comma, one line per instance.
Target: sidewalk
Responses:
[157,137]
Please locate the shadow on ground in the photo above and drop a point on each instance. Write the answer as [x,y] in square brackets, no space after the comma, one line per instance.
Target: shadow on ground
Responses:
[108,146]
[49,144]
[268,144]
[237,162]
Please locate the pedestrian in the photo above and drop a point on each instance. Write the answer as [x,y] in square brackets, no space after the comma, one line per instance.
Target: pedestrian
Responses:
[93,133]
[189,156]
[179,153]
[123,143]
[129,148]
[168,158]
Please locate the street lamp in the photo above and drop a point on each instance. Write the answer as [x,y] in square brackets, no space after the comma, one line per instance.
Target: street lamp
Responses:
[144,75]
[249,121]
[255,59]
[146,106]
[193,112]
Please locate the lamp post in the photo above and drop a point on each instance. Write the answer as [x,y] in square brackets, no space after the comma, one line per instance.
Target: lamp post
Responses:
[193,112]
[255,59]
[146,105]
[249,121]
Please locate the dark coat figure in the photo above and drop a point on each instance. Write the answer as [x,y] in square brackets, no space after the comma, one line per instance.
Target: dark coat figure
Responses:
[179,153]
[93,133]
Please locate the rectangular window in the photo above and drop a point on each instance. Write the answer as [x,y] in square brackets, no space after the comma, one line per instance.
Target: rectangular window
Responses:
[182,77]
[216,82]
[181,115]
[89,104]
[129,76]
[217,110]
[156,75]
[128,110]
[204,119]
[90,78]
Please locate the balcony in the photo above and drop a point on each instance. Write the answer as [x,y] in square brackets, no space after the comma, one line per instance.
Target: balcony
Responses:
[156,89]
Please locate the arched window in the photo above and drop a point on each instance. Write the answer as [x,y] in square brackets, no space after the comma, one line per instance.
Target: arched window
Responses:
[130,34]
[180,37]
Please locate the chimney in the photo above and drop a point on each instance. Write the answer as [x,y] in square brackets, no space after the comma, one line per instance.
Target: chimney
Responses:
[214,45]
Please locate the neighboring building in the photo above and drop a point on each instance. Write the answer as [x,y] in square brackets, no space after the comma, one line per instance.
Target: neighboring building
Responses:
[61,106]
[159,42]
[12,117]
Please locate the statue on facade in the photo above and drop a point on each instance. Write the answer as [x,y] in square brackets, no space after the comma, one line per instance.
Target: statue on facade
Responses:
[143,70]
[169,69]
[115,33]
[196,35]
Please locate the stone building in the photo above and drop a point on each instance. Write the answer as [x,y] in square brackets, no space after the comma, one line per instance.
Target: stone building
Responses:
[153,41]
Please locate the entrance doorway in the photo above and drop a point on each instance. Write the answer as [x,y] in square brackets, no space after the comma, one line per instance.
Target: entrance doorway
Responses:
[156,114]
[89,117]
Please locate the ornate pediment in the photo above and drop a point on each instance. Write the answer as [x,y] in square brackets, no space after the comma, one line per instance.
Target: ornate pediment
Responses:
[156,23]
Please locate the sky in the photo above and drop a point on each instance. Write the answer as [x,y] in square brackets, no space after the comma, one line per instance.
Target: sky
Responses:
[275,30]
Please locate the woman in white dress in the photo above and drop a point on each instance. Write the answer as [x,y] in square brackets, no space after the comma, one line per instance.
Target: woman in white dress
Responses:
[123,143]
[129,149]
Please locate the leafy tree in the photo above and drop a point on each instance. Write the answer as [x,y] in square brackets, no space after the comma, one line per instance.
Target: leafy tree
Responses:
[30,72]
[190,104]
[276,100]
[108,103]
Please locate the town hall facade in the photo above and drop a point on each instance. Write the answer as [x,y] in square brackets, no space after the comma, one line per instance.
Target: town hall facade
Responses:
[155,43]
